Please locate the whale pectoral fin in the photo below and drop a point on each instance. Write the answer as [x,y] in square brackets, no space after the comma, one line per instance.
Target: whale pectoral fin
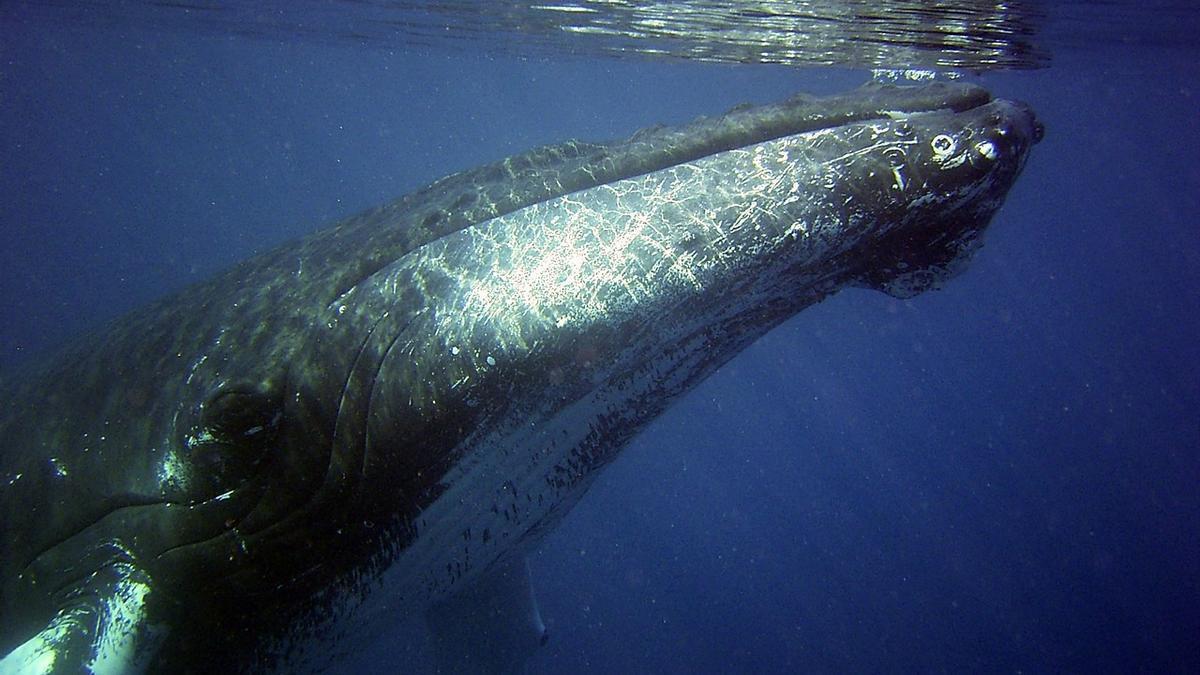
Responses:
[100,628]
[493,627]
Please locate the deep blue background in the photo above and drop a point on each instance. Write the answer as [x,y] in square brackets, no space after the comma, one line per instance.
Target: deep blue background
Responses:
[999,476]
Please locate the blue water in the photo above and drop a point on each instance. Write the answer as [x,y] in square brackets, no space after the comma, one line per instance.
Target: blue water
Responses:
[1000,476]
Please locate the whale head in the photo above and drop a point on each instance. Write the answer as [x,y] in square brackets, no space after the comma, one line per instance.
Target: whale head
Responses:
[954,171]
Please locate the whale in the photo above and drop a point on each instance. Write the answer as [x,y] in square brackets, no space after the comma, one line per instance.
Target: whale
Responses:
[262,471]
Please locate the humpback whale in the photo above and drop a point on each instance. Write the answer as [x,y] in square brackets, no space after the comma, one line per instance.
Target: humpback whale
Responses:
[380,419]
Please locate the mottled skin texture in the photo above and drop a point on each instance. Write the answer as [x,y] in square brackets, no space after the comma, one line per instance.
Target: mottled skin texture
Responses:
[401,400]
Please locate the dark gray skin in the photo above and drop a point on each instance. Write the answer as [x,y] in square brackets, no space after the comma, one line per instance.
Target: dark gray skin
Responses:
[383,412]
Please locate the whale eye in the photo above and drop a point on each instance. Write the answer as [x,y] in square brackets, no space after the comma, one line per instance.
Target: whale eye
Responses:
[942,145]
[239,416]
[235,427]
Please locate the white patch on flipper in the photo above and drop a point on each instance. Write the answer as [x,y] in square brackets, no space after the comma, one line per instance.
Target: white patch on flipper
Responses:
[39,653]
[34,657]
[123,632]
[122,642]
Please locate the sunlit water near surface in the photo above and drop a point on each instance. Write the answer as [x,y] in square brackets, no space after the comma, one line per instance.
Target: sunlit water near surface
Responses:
[999,476]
